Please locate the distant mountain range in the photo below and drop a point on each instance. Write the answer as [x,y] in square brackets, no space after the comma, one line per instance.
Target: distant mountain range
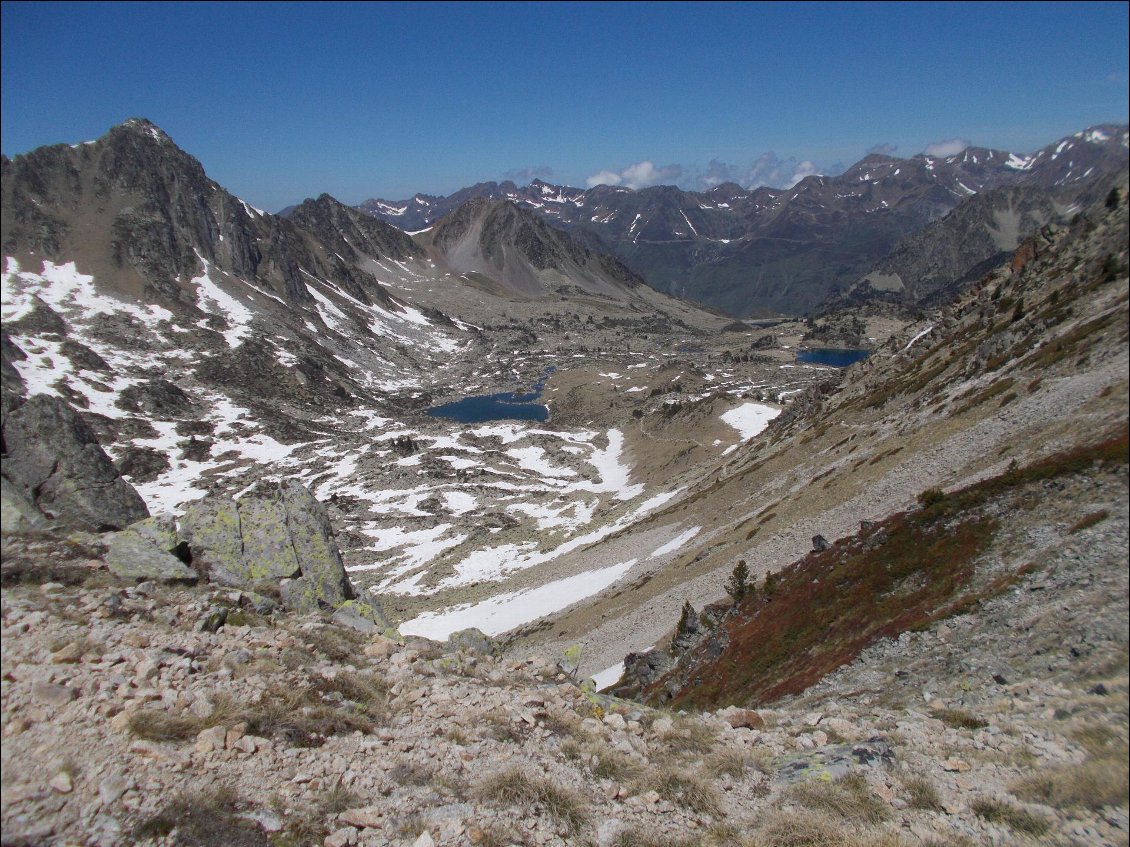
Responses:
[774,250]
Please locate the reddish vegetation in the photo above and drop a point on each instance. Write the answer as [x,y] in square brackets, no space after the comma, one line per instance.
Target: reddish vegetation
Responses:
[904,573]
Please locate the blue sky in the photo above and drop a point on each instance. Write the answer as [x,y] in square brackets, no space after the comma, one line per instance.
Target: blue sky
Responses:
[285,101]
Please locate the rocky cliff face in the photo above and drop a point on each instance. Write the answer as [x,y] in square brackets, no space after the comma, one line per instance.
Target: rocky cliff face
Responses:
[932,266]
[56,471]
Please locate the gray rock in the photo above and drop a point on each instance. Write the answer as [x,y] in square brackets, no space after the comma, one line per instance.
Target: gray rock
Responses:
[314,544]
[473,641]
[159,530]
[212,529]
[55,459]
[112,787]
[269,553]
[348,616]
[18,512]
[836,761]
[213,620]
[131,555]
[276,533]
[642,669]
[52,694]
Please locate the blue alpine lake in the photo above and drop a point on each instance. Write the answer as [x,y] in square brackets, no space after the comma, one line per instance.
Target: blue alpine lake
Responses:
[832,357]
[503,406]
[507,405]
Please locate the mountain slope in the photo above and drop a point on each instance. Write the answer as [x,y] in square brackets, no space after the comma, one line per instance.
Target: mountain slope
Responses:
[1029,363]
[933,265]
[523,254]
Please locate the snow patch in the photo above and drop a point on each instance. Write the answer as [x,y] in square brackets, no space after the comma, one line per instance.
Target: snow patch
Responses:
[750,419]
[506,611]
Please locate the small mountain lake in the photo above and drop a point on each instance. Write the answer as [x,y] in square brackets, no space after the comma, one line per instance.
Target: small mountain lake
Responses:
[506,405]
[503,406]
[836,358]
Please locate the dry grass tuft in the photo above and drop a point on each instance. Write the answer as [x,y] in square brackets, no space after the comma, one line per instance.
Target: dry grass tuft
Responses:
[850,799]
[515,787]
[804,829]
[1098,782]
[921,794]
[1015,818]
[690,736]
[159,725]
[637,837]
[412,773]
[678,786]
[204,819]
[811,829]
[301,717]
[338,644]
[959,719]
[730,762]
[603,762]
[1088,521]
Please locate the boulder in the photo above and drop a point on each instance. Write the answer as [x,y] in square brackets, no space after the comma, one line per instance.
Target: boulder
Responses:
[144,551]
[276,533]
[473,641]
[642,669]
[833,762]
[211,527]
[55,460]
[18,512]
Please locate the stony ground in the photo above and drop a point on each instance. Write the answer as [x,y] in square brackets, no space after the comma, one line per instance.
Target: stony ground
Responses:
[128,720]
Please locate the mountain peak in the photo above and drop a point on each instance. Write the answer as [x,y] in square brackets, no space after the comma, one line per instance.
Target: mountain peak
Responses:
[143,126]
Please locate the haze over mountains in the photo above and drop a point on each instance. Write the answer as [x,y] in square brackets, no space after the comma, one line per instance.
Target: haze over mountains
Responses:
[772,250]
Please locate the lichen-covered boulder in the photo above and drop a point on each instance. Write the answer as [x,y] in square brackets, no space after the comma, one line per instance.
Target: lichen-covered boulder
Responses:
[312,538]
[54,458]
[211,527]
[364,614]
[146,553]
[473,641]
[832,762]
[275,533]
[18,512]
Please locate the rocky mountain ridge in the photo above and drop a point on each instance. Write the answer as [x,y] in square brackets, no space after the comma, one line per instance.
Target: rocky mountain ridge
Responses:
[753,251]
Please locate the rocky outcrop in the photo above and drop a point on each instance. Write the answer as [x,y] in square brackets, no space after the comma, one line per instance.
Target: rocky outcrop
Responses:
[277,534]
[146,551]
[54,461]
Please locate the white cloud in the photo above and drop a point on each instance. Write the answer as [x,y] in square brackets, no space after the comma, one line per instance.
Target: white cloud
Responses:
[640,175]
[718,172]
[803,169]
[942,149]
[603,178]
